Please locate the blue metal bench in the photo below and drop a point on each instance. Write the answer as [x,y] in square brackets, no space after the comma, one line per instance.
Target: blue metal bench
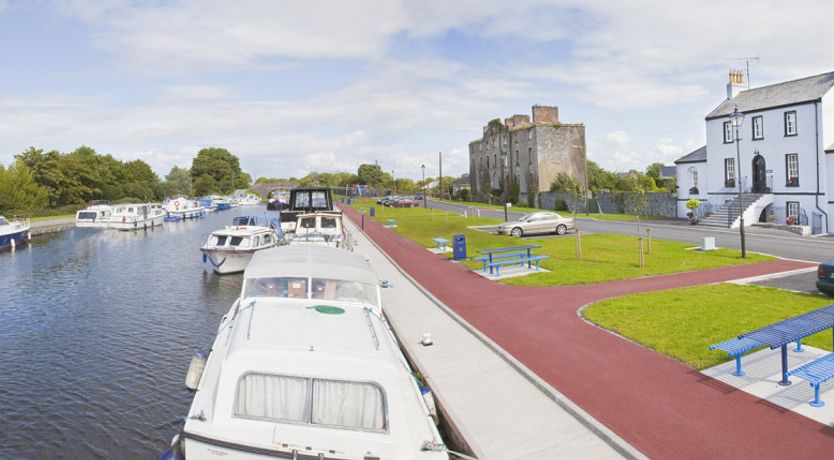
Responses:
[816,372]
[392,222]
[735,348]
[441,243]
[510,259]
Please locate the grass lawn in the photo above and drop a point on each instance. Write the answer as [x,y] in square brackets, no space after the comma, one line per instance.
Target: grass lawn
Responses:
[606,257]
[683,323]
[62,216]
[565,213]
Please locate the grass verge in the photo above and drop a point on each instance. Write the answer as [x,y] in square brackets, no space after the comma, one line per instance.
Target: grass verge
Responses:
[683,323]
[566,213]
[605,257]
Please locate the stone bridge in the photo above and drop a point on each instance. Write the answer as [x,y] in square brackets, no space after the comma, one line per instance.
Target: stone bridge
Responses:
[264,188]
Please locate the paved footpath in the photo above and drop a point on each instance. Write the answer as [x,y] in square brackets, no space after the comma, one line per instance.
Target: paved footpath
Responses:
[658,405]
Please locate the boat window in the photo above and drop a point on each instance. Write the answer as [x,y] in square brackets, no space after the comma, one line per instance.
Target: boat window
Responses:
[235,241]
[267,239]
[81,215]
[293,288]
[219,240]
[328,222]
[272,397]
[343,290]
[302,201]
[308,222]
[348,404]
[319,199]
[356,405]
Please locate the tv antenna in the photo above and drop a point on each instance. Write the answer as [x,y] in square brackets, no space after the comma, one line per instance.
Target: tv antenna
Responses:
[747,65]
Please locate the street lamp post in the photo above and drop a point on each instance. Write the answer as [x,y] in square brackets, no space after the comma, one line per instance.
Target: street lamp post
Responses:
[736,119]
[506,182]
[424,185]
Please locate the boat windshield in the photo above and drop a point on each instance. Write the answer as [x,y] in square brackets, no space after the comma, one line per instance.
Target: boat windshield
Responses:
[320,288]
[328,222]
[3,221]
[308,222]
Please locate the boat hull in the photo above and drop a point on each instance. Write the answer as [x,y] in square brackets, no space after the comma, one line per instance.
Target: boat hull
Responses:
[225,261]
[17,237]
[137,224]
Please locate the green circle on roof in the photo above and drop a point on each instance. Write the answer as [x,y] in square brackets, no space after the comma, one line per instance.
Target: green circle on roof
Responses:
[327,309]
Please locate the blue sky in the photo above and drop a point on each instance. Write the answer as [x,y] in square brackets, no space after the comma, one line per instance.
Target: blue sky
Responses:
[291,87]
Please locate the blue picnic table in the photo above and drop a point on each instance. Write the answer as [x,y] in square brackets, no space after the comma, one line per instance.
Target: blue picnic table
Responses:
[441,243]
[781,334]
[516,253]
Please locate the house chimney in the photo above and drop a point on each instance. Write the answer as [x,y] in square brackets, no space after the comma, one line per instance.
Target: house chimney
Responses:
[736,83]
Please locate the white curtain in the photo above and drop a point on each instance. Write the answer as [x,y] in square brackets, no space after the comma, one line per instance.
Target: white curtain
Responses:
[348,404]
[272,396]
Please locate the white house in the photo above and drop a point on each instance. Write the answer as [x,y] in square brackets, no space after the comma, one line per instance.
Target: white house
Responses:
[781,162]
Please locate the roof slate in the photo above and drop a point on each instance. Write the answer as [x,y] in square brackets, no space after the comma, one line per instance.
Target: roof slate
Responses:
[697,156]
[777,95]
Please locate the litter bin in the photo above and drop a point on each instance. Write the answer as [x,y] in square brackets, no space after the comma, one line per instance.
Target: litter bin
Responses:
[459,247]
[373,211]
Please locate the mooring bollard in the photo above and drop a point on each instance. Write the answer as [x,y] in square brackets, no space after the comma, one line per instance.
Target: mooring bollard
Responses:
[578,245]
[641,251]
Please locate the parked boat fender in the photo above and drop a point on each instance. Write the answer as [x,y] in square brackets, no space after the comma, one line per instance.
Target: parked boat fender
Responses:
[428,397]
[174,452]
[205,257]
[195,369]
[13,243]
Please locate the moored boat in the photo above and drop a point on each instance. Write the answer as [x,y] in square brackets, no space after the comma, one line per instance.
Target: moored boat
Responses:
[324,228]
[181,208]
[96,215]
[230,249]
[15,231]
[304,365]
[135,216]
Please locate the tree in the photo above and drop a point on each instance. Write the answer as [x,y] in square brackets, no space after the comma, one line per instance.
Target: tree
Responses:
[571,186]
[140,181]
[243,181]
[177,182]
[218,163]
[372,175]
[205,185]
[600,179]
[18,189]
[654,170]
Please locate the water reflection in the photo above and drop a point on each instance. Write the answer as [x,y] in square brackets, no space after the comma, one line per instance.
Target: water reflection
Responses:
[96,332]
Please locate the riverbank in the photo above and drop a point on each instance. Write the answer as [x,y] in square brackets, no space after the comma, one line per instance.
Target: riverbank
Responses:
[44,227]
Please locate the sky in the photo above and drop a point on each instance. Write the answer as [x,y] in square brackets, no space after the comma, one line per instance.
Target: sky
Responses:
[297,86]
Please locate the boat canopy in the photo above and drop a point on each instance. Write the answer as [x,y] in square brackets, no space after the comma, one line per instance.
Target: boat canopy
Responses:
[309,261]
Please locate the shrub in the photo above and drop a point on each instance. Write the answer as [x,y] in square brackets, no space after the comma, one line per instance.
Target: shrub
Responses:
[693,204]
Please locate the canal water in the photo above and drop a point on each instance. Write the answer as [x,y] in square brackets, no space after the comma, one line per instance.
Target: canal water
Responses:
[97,328]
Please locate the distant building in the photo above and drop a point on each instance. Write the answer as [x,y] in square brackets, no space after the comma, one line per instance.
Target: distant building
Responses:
[785,167]
[531,153]
[460,185]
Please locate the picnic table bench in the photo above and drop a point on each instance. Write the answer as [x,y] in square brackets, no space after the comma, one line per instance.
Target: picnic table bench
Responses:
[779,335]
[816,372]
[495,258]
[441,243]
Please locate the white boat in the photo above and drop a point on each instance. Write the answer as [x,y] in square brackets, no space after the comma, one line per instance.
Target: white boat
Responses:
[249,200]
[14,232]
[305,366]
[135,216]
[230,248]
[181,208]
[321,229]
[96,215]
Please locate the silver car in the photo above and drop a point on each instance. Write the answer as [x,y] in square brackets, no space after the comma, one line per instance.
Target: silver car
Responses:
[537,222]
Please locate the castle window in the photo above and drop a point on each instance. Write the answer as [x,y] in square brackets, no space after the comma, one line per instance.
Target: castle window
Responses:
[516,157]
[530,154]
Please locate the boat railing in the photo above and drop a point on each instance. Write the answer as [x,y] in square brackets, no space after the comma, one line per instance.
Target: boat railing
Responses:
[21,221]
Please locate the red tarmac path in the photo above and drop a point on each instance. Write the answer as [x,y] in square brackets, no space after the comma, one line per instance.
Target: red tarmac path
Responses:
[658,405]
